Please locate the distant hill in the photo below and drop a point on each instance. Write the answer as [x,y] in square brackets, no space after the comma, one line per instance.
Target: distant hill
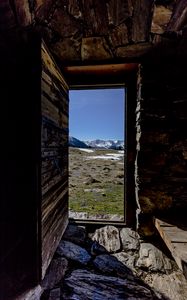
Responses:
[98,144]
[73,142]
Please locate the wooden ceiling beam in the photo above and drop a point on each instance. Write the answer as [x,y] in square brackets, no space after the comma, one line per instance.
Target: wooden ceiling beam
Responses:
[108,69]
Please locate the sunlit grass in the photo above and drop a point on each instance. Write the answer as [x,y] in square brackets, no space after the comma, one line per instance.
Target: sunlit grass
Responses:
[107,201]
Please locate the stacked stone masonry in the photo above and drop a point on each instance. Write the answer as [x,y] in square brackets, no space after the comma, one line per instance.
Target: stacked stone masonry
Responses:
[84,31]
[120,267]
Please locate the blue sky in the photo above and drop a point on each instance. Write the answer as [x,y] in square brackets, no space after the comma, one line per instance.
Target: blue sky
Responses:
[97,114]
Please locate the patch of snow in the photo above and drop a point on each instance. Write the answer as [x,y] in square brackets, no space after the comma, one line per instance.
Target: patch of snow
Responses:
[121,151]
[86,150]
[109,156]
[115,154]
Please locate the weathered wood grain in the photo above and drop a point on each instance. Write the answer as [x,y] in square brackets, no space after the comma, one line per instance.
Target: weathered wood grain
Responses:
[176,240]
[54,155]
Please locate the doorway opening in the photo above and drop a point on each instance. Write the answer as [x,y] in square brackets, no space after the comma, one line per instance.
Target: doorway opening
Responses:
[97,154]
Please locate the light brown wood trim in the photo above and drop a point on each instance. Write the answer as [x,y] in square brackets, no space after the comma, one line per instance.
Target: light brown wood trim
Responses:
[175,239]
[107,69]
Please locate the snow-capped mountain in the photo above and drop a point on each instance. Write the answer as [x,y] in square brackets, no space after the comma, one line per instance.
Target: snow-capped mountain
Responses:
[98,144]
[109,144]
[73,142]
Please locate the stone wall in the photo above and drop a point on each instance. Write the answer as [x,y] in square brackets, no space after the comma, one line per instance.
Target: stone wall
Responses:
[79,31]
[110,263]
[161,177]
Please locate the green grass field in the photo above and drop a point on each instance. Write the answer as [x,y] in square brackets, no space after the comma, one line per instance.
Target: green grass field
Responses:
[96,186]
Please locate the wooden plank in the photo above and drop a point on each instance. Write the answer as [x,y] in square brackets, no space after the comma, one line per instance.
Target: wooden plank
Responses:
[114,69]
[54,155]
[50,65]
[176,240]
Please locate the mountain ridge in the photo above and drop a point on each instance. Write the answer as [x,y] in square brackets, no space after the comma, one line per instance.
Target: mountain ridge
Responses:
[97,144]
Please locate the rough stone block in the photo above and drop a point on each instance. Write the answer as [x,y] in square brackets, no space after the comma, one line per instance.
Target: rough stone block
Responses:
[151,201]
[67,50]
[108,237]
[119,36]
[95,48]
[75,234]
[133,51]
[153,259]
[111,265]
[129,239]
[119,11]
[173,286]
[95,17]
[161,18]
[142,19]
[73,252]
[86,285]
[64,24]
[127,259]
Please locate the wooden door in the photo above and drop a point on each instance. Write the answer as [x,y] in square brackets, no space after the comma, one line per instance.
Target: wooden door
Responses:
[54,154]
[34,162]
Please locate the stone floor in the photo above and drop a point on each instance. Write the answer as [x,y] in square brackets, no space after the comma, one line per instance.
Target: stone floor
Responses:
[110,264]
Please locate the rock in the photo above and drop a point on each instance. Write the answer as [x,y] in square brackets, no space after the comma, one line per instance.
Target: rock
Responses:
[117,16]
[67,49]
[55,294]
[117,218]
[55,272]
[95,18]
[74,9]
[151,201]
[142,21]
[68,27]
[95,48]
[86,285]
[160,19]
[111,265]
[108,237]
[91,180]
[74,252]
[126,259]
[129,239]
[75,234]
[97,249]
[78,215]
[119,36]
[135,50]
[153,259]
[173,286]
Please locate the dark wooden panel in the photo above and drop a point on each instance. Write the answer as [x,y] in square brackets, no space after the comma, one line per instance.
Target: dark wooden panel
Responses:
[54,153]
[20,157]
